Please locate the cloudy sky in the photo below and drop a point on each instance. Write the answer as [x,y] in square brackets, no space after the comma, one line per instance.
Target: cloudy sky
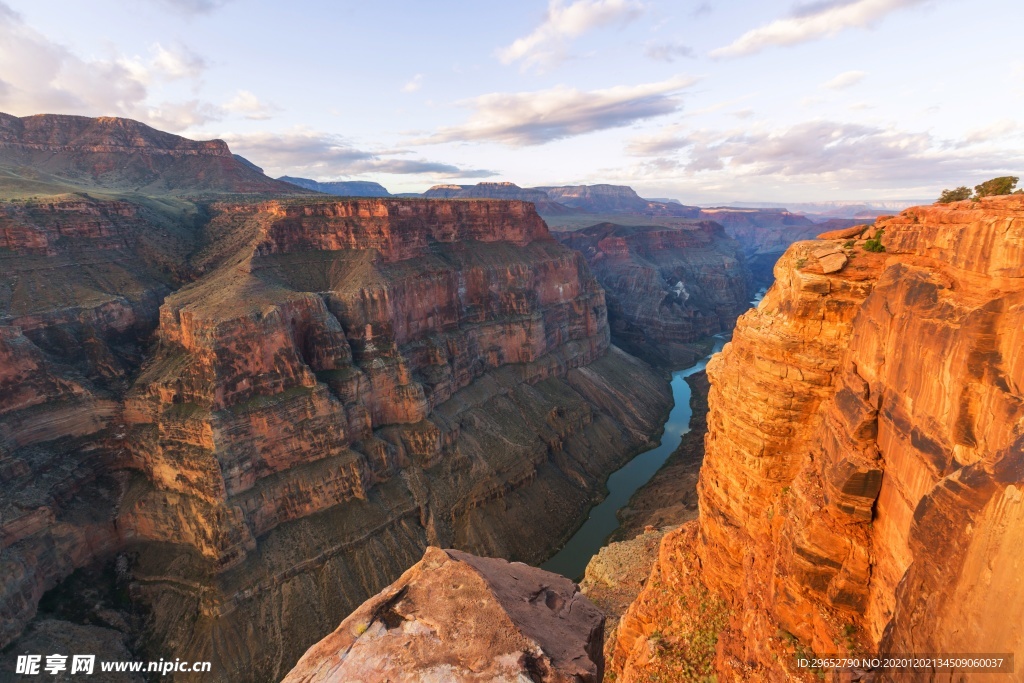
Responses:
[704,101]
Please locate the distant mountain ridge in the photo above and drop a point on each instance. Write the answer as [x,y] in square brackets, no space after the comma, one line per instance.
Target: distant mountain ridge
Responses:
[603,198]
[341,188]
[123,154]
[868,208]
[498,190]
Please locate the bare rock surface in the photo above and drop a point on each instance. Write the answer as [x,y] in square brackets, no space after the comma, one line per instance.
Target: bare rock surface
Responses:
[864,460]
[456,617]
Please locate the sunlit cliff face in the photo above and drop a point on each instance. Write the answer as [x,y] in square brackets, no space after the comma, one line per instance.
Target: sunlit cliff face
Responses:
[864,453]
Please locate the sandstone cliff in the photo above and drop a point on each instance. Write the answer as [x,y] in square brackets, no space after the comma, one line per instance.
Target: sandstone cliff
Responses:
[457,617]
[666,287]
[341,384]
[861,483]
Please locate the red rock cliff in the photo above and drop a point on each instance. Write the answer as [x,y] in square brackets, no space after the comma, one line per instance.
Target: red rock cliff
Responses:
[346,383]
[865,455]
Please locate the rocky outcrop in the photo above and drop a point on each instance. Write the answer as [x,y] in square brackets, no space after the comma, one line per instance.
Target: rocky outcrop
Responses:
[666,286]
[615,199]
[122,153]
[458,617]
[341,384]
[861,484]
[340,188]
[617,573]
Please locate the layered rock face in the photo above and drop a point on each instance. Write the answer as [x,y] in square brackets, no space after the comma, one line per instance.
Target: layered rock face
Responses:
[81,282]
[666,286]
[116,152]
[861,485]
[345,383]
[458,617]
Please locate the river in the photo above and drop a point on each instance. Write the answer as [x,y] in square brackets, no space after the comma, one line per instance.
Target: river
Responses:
[572,559]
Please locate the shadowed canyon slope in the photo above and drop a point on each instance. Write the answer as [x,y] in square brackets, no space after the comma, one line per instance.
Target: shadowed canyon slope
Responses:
[245,416]
[666,287]
[861,488]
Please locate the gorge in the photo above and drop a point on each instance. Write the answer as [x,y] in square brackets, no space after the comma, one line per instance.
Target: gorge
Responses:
[240,417]
[242,420]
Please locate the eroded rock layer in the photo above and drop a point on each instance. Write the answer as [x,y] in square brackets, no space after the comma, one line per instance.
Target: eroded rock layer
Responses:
[458,617]
[666,286]
[861,484]
[342,384]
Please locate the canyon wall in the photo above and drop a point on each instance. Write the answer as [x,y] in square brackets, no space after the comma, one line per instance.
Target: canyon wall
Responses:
[341,384]
[666,287]
[861,484]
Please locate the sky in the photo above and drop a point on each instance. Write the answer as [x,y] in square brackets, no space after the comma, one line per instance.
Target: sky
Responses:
[705,102]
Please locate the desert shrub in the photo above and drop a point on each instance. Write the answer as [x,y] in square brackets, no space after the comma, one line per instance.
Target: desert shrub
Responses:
[996,186]
[957,195]
[875,243]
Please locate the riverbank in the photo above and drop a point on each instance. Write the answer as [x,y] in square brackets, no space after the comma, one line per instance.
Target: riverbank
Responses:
[670,497]
[571,560]
[617,573]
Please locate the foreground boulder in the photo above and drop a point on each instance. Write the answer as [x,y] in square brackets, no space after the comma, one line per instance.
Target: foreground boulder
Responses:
[457,617]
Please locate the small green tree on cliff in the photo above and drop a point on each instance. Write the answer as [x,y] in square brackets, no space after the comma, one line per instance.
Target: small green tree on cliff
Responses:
[996,186]
[959,194]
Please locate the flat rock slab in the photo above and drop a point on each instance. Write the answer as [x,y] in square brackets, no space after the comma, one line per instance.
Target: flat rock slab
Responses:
[456,617]
[832,263]
[822,252]
[843,233]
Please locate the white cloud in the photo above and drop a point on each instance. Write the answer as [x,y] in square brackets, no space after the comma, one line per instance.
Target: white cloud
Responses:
[177,62]
[999,130]
[844,80]
[192,7]
[321,155]
[669,139]
[668,51]
[251,107]
[39,76]
[534,118]
[829,150]
[814,21]
[414,84]
[177,116]
[546,44]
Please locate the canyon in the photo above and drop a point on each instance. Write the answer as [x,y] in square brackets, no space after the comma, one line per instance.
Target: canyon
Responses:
[854,496]
[668,288]
[230,419]
[236,412]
